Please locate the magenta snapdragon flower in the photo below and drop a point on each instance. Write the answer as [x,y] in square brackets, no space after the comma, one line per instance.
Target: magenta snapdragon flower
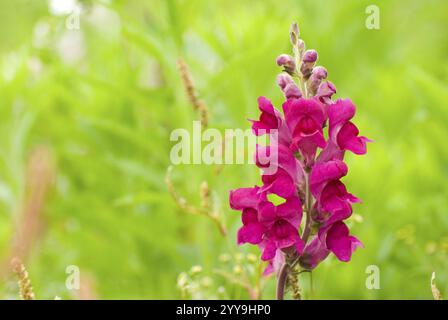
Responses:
[304,166]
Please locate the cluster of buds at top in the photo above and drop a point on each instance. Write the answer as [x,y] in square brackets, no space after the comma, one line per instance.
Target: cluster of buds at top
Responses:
[302,65]
[296,217]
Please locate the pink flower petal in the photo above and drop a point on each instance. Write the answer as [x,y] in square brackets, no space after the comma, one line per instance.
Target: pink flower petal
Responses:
[324,172]
[269,250]
[251,233]
[244,198]
[291,211]
[340,243]
[348,139]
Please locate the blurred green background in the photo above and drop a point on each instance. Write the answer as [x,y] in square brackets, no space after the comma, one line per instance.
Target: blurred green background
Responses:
[98,104]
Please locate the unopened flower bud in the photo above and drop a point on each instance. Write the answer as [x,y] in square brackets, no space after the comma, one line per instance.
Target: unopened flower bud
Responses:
[292,91]
[310,56]
[293,38]
[326,91]
[318,74]
[308,61]
[294,33]
[287,62]
[284,79]
[295,28]
[288,86]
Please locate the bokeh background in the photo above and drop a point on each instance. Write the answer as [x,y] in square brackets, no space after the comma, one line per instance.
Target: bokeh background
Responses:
[86,115]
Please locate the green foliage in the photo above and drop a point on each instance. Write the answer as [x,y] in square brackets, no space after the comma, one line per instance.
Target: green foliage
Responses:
[105,99]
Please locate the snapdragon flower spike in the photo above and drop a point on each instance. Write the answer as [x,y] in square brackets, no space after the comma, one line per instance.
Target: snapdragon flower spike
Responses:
[303,165]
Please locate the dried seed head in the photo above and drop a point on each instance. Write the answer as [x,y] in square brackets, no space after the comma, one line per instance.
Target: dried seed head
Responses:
[293,284]
[435,291]
[203,112]
[25,287]
[187,81]
[190,89]
[204,194]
